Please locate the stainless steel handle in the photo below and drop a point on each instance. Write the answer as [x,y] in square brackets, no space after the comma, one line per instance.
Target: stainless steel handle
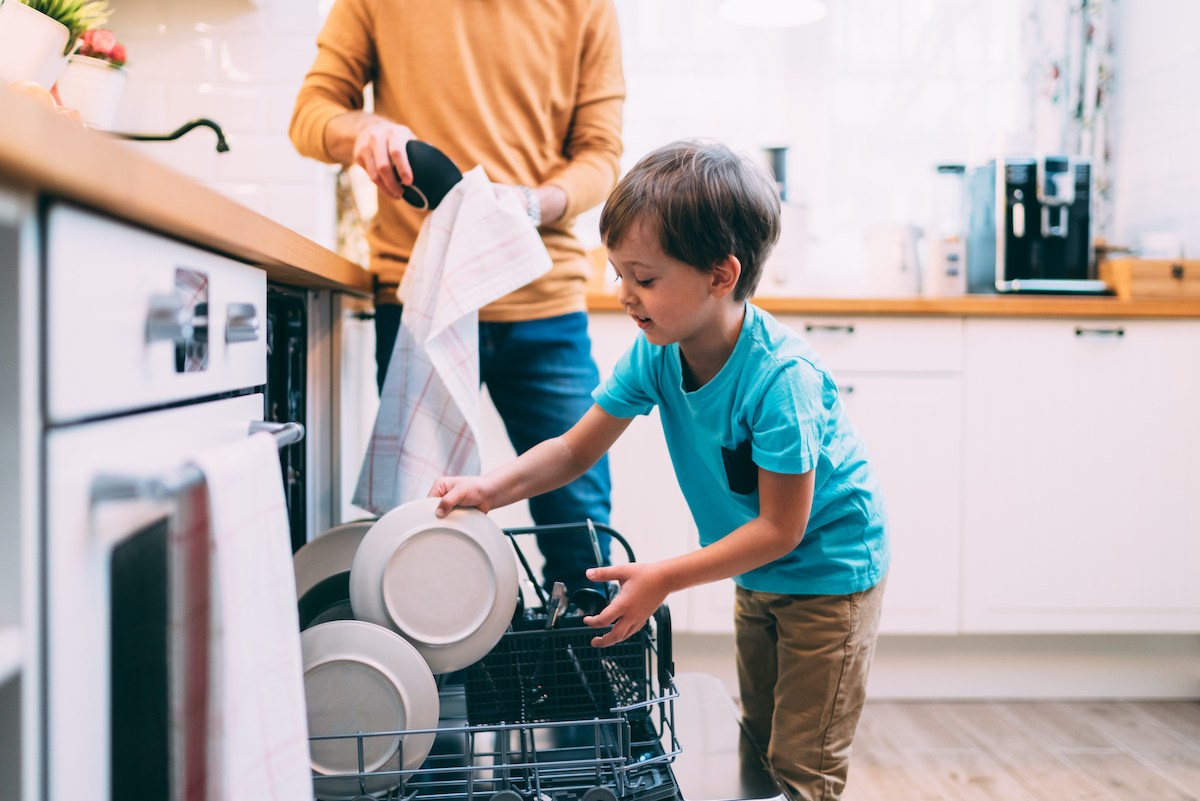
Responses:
[241,323]
[1099,332]
[116,487]
[847,389]
[168,319]
[810,327]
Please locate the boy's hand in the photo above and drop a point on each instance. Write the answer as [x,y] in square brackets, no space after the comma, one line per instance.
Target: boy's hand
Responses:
[643,589]
[461,491]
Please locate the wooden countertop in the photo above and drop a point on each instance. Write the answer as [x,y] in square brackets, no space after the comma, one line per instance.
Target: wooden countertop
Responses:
[51,156]
[965,306]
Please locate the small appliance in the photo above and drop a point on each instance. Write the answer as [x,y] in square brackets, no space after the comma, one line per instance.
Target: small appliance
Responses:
[946,271]
[1029,226]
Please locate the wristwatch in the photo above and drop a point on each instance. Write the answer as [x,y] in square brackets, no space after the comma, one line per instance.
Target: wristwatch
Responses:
[534,205]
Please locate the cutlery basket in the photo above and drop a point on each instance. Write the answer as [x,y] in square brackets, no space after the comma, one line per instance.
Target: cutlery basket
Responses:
[535,674]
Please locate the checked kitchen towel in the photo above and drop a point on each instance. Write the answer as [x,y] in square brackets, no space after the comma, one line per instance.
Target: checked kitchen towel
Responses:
[473,249]
[257,744]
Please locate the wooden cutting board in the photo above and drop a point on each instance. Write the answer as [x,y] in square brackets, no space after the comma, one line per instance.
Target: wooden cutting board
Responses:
[1152,278]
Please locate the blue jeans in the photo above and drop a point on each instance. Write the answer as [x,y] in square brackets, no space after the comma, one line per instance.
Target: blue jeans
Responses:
[540,374]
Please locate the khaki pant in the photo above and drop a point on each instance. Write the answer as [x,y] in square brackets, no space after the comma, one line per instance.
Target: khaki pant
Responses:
[802,668]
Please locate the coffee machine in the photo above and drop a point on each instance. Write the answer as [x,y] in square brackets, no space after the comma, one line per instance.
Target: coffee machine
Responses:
[1029,226]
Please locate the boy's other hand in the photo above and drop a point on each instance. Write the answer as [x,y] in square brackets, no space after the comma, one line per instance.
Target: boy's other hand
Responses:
[460,491]
[643,589]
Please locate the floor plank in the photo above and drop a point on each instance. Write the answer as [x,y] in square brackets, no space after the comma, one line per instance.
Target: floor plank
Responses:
[1026,751]
[1043,775]
[1128,778]
[1055,726]
[1182,717]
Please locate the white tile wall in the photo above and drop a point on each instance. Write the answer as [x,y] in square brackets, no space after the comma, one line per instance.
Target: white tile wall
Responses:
[240,63]
[1157,185]
[869,100]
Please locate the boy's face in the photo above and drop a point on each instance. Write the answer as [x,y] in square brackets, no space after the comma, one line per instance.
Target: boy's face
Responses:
[668,299]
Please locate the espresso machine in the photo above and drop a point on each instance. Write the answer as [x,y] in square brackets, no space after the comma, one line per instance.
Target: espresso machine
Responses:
[1029,226]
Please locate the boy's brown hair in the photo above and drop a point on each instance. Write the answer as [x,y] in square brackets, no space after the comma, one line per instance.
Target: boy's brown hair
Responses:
[706,201]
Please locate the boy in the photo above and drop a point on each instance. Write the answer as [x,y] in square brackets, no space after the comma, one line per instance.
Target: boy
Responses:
[773,472]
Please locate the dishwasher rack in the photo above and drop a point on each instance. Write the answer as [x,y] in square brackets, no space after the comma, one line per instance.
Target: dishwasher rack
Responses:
[616,747]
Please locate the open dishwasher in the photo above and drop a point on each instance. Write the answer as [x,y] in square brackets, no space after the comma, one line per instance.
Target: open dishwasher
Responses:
[544,716]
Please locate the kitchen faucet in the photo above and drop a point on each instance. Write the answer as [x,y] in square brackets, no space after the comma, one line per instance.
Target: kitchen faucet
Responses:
[222,145]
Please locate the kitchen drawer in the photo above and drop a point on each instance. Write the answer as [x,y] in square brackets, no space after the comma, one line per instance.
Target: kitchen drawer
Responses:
[105,356]
[875,344]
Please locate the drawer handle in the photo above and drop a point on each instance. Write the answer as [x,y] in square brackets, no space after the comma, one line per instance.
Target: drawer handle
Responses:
[1099,332]
[848,389]
[242,323]
[168,319]
[810,327]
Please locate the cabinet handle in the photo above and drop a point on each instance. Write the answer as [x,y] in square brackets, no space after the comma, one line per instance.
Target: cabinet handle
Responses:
[241,325]
[1099,332]
[168,319]
[810,327]
[848,389]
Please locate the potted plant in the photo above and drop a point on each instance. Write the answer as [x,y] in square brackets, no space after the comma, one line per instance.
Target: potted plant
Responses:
[92,82]
[37,36]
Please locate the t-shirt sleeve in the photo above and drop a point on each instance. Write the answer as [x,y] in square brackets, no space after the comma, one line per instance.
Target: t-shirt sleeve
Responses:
[629,391]
[788,427]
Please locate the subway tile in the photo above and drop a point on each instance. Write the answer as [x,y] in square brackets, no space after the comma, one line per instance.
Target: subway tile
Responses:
[264,158]
[295,18]
[236,108]
[252,196]
[193,155]
[216,17]
[143,105]
[292,205]
[266,59]
[166,57]
[278,103]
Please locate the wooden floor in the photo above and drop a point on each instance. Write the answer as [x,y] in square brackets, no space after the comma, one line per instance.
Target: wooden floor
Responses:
[1035,751]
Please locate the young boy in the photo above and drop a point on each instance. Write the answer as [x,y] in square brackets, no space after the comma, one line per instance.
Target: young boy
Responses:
[775,475]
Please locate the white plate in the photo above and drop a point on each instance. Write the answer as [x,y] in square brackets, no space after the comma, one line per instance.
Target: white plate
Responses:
[448,585]
[327,555]
[362,677]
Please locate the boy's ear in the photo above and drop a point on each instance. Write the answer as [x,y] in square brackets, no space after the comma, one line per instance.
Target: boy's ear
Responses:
[725,276]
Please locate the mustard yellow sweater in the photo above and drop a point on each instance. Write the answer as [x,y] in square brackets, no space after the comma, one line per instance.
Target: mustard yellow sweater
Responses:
[530,89]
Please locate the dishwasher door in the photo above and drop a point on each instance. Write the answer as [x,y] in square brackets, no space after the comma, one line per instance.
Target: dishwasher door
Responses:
[719,762]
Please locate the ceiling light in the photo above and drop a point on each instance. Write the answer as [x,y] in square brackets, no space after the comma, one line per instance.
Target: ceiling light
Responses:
[772,13]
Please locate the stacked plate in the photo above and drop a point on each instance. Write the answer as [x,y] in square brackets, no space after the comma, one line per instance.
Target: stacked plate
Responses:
[383,606]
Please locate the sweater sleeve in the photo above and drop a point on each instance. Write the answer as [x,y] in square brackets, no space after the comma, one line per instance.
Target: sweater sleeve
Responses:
[345,63]
[593,146]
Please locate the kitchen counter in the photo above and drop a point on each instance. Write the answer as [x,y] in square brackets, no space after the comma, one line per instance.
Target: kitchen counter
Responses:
[1096,306]
[51,156]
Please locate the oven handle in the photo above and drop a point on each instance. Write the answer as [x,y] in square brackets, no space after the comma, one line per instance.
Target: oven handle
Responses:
[110,487]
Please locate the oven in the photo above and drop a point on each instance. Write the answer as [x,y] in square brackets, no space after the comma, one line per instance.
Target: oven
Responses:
[153,351]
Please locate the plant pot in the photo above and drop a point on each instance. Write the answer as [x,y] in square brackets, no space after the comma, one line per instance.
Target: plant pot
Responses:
[92,86]
[32,45]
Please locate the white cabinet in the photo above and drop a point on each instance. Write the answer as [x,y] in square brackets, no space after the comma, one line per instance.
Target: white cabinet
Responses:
[1081,466]
[912,425]
[901,383]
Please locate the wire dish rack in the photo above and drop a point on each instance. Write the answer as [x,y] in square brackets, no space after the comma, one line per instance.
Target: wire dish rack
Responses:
[543,717]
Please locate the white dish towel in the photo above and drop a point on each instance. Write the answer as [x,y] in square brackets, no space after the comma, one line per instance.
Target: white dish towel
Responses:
[473,249]
[258,726]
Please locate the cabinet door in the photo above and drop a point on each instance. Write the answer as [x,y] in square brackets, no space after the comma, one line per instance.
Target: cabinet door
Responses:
[912,426]
[1081,471]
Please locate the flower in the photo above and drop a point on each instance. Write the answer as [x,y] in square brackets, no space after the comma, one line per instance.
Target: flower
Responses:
[102,44]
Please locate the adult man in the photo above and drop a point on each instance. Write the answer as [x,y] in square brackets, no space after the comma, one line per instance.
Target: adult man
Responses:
[533,91]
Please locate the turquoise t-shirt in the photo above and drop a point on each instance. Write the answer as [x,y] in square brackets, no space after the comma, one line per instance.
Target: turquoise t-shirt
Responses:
[773,405]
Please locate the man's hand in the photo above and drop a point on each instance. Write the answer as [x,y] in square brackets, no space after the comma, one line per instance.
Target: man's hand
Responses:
[379,149]
[644,587]
[462,491]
